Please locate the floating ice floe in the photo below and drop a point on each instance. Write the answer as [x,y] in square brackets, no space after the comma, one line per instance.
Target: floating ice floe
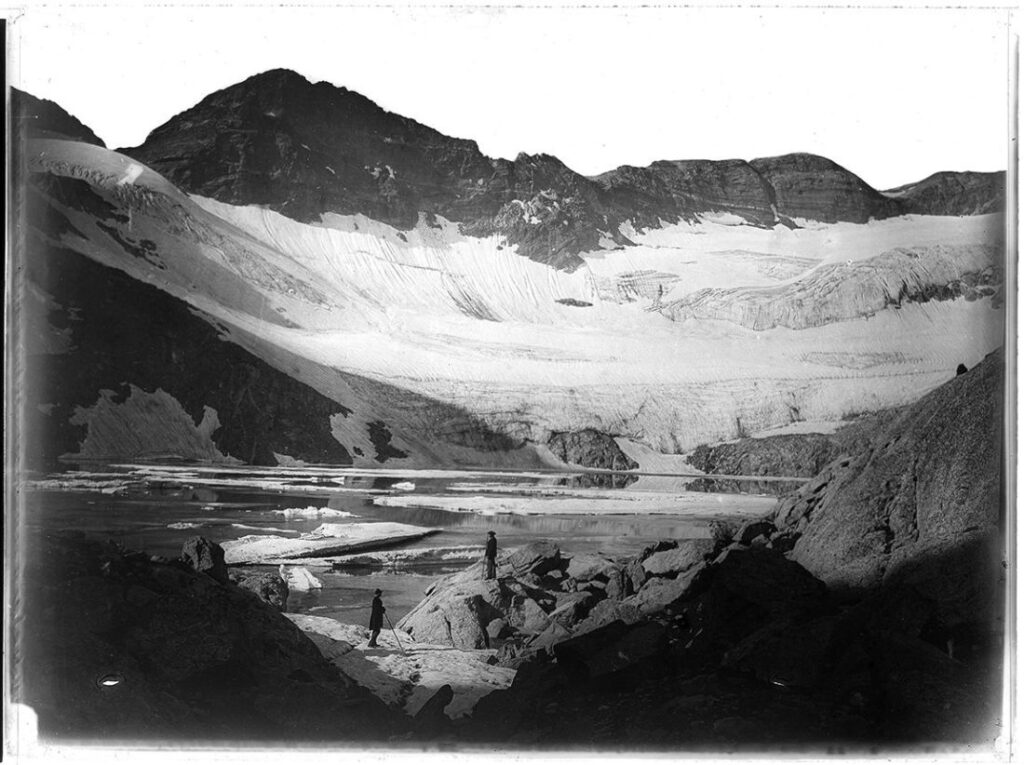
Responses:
[327,539]
[409,556]
[404,486]
[299,578]
[313,512]
[184,525]
[263,528]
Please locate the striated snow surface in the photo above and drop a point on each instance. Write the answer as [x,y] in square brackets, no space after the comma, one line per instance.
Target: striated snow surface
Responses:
[460,349]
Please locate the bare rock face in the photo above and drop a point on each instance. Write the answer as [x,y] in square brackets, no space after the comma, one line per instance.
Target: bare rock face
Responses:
[680,559]
[590,448]
[922,503]
[798,455]
[809,186]
[206,557]
[950,193]
[270,588]
[458,613]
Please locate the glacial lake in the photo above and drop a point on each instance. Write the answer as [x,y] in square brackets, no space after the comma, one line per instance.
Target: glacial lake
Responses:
[155,508]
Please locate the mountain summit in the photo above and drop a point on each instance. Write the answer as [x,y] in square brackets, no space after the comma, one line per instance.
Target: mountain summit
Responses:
[304,149]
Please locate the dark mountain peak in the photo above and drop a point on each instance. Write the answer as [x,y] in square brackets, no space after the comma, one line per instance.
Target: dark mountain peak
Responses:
[303,149]
[34,117]
[279,75]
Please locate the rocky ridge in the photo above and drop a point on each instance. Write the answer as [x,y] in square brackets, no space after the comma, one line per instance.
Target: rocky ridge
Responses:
[952,193]
[304,149]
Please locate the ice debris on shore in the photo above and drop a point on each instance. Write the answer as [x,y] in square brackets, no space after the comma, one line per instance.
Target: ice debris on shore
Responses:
[298,578]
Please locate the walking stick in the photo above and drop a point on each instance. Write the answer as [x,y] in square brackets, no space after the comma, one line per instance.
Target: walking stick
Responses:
[400,648]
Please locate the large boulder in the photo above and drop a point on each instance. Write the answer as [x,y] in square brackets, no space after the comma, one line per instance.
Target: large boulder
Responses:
[917,503]
[659,594]
[458,615]
[583,567]
[458,610]
[606,612]
[270,588]
[540,557]
[678,560]
[206,557]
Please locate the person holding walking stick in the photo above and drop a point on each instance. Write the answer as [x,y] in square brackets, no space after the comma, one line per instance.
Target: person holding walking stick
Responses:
[376,618]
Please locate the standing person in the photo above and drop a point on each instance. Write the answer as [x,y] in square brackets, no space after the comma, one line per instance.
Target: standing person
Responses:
[376,618]
[490,554]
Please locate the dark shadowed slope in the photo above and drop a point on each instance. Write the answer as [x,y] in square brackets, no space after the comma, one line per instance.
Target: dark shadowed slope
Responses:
[39,118]
[927,489]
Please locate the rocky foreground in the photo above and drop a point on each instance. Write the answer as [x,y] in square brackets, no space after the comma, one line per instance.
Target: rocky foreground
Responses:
[120,645]
[865,611]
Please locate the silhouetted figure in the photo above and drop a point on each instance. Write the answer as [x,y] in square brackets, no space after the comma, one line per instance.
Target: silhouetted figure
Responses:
[490,556]
[960,369]
[376,618]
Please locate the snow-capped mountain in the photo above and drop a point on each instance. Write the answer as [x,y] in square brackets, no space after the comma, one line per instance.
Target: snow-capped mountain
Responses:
[288,271]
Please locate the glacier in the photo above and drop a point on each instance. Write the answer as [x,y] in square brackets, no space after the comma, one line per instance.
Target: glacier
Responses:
[448,349]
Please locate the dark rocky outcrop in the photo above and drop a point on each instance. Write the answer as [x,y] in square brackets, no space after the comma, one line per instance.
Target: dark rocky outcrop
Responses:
[270,588]
[804,454]
[755,652]
[205,557]
[923,503]
[116,644]
[951,193]
[590,448]
[39,118]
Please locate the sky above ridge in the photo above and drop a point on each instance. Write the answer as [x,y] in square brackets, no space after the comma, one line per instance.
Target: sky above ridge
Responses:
[891,94]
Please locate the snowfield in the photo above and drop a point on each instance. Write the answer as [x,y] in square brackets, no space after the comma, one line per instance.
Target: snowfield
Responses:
[462,348]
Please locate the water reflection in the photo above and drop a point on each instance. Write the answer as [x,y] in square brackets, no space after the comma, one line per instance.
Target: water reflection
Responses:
[773,488]
[540,525]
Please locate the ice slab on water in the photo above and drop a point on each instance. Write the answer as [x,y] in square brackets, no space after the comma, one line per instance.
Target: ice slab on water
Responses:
[326,539]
